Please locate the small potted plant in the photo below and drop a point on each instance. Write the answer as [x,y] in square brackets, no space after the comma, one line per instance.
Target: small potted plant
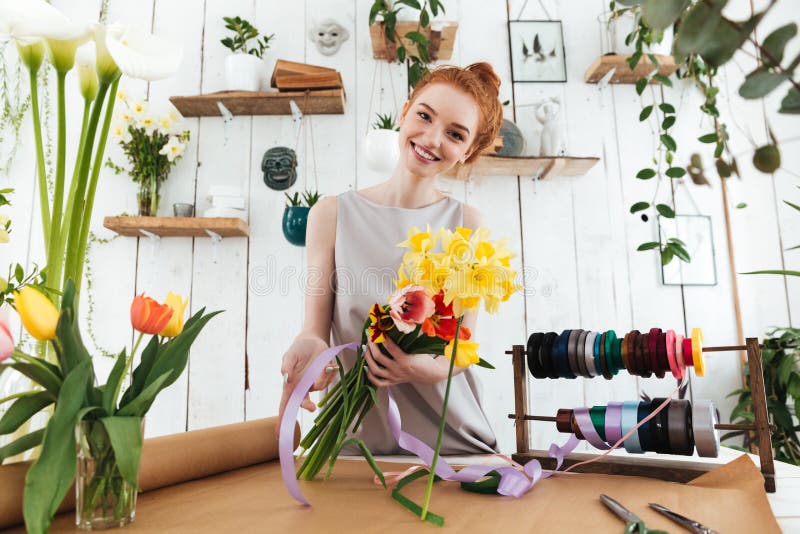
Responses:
[382,144]
[295,216]
[244,67]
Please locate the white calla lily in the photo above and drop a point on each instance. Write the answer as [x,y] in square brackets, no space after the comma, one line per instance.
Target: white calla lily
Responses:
[61,52]
[87,74]
[142,55]
[33,20]
[107,69]
[31,54]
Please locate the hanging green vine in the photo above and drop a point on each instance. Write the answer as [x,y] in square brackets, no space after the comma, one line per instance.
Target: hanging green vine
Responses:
[14,106]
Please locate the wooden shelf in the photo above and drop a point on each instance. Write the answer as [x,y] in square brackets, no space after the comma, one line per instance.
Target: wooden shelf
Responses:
[623,74]
[524,166]
[441,42]
[322,102]
[178,226]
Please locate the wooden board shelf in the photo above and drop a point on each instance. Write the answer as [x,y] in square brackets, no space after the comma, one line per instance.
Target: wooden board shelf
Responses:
[322,102]
[441,42]
[524,166]
[178,226]
[623,73]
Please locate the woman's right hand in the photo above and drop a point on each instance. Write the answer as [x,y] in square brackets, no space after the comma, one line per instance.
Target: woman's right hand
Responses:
[297,357]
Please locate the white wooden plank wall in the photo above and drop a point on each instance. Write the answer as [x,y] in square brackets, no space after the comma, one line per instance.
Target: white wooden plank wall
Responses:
[575,235]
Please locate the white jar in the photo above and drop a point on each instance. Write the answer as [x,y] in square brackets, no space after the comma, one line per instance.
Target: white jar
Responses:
[243,72]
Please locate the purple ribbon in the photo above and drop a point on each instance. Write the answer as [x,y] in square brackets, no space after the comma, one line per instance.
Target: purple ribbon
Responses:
[512,482]
[613,422]
[286,436]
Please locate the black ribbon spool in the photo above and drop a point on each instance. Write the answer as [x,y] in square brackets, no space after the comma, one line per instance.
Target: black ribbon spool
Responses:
[546,354]
[534,363]
[679,427]
[603,364]
[645,440]
[663,362]
[659,427]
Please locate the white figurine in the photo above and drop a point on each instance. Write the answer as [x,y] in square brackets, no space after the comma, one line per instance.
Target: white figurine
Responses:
[552,138]
[328,35]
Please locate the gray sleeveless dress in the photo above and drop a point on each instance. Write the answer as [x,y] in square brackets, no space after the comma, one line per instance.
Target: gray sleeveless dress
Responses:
[367,259]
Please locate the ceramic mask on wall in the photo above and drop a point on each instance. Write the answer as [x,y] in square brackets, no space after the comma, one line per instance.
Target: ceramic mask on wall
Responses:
[280,167]
[328,35]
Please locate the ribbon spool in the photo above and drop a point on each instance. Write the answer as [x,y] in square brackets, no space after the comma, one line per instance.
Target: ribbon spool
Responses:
[574,353]
[676,429]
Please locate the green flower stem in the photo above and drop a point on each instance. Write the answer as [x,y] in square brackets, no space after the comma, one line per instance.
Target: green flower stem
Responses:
[87,108]
[73,225]
[55,260]
[40,170]
[98,163]
[127,367]
[432,475]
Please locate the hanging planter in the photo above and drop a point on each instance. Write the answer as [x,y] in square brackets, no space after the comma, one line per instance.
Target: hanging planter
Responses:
[295,217]
[382,145]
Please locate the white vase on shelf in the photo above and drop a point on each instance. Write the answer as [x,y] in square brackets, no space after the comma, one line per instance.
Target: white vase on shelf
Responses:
[243,72]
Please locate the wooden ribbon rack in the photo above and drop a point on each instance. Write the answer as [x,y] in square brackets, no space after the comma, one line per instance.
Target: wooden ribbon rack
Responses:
[663,469]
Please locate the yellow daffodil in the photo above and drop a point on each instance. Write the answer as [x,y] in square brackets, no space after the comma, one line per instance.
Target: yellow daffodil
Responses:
[38,314]
[466,354]
[175,324]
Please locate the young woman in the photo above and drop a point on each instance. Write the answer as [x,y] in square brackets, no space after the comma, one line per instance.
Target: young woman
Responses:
[451,117]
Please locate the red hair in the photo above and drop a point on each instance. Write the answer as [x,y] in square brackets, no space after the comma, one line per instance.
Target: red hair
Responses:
[481,82]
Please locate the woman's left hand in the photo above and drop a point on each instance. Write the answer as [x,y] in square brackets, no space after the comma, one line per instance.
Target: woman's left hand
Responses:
[401,367]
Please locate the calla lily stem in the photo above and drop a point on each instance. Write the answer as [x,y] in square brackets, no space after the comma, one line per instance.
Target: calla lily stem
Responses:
[41,172]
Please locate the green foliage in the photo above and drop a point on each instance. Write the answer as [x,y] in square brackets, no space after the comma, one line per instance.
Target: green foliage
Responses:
[416,65]
[309,198]
[113,431]
[244,31]
[780,359]
[17,279]
[384,122]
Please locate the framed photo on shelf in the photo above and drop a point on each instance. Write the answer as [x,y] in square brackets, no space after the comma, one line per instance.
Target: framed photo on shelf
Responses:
[537,51]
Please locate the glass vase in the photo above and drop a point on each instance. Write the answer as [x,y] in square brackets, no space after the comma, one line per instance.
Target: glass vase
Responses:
[148,196]
[103,498]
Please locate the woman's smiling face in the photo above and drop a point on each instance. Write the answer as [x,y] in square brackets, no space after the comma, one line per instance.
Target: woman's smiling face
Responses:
[437,129]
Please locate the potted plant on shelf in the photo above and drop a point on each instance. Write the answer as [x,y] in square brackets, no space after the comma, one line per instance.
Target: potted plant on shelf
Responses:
[381,145]
[152,145]
[244,67]
[295,216]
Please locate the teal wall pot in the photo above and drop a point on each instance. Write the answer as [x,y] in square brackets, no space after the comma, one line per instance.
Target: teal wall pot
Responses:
[294,224]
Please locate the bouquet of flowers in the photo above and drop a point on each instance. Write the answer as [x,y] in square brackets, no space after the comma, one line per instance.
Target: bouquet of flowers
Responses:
[152,144]
[435,288]
[97,428]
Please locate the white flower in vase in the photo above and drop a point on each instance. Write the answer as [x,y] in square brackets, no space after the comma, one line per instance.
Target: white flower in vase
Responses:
[173,149]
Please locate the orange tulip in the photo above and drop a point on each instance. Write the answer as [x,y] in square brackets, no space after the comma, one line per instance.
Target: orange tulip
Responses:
[148,316]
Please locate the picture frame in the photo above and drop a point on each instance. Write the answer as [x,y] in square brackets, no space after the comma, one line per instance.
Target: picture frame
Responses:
[537,51]
[696,231]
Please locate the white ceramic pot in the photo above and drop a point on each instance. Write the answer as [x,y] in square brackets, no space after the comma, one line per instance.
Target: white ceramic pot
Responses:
[243,72]
[381,150]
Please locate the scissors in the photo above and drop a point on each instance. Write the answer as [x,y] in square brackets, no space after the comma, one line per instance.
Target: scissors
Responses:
[685,522]
[632,522]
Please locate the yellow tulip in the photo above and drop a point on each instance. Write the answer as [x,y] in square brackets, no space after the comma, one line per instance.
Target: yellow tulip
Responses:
[38,314]
[175,324]
[3,284]
[466,355]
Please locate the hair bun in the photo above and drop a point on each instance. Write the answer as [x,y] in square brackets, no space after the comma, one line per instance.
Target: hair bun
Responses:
[487,75]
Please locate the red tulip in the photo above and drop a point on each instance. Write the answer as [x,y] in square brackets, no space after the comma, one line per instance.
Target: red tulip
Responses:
[442,323]
[148,316]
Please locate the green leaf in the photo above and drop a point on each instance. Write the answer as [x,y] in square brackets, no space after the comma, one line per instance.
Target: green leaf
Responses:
[374,10]
[661,14]
[114,379]
[666,107]
[667,123]
[51,475]
[483,363]
[676,240]
[775,43]
[785,367]
[795,206]
[675,172]
[21,444]
[693,30]
[401,54]
[639,206]
[665,211]
[760,83]
[668,142]
[125,434]
[139,406]
[681,252]
[39,374]
[634,59]
[424,18]
[641,83]
[708,138]
[741,205]
[775,271]
[23,409]
[139,377]
[649,245]
[411,505]
[663,79]
[666,256]
[645,113]
[645,174]
[71,351]
[767,159]
[727,38]
[791,102]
